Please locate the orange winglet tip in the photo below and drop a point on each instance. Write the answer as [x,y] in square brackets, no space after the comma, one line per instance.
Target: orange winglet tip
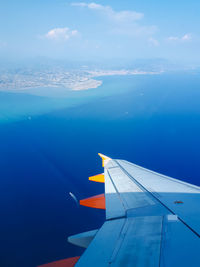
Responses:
[97,202]
[97,178]
[105,159]
[70,262]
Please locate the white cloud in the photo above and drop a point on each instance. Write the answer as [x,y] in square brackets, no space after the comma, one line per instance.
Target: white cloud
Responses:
[119,16]
[95,6]
[124,22]
[60,34]
[153,41]
[186,37]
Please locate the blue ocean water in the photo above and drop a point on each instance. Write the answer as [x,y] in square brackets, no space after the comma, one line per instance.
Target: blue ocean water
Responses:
[49,146]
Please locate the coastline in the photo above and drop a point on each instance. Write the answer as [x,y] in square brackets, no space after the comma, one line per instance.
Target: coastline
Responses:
[71,81]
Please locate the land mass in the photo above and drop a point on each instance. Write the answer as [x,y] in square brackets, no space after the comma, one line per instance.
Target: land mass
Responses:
[24,79]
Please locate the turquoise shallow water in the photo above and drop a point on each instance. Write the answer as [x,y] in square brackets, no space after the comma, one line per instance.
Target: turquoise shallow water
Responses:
[15,106]
[153,121]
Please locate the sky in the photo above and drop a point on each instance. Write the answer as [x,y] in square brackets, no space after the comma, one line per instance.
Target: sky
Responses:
[106,30]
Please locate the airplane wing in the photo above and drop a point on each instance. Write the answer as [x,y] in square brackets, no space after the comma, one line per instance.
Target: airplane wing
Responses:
[151,220]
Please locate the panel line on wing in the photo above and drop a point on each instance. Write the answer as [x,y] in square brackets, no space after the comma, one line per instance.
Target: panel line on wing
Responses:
[130,193]
[114,204]
[161,175]
[157,198]
[145,189]
[122,201]
[119,241]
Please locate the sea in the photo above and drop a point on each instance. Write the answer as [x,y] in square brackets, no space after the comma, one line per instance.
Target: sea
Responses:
[49,144]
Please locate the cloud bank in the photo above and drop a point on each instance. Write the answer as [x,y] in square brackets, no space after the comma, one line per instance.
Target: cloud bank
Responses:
[110,13]
[124,22]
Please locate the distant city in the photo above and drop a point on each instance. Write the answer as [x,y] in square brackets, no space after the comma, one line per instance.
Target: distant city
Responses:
[22,79]
[40,73]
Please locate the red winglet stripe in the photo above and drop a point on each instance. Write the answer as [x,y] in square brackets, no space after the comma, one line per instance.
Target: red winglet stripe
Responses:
[97,202]
[70,262]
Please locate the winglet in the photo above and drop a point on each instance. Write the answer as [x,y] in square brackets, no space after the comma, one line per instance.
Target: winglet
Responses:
[105,159]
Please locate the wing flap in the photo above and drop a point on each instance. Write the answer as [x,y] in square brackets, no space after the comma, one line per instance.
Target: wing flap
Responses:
[100,250]
[122,242]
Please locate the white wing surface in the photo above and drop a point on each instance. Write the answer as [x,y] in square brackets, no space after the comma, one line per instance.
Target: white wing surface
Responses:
[151,220]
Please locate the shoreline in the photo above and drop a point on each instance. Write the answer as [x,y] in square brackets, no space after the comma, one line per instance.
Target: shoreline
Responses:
[72,81]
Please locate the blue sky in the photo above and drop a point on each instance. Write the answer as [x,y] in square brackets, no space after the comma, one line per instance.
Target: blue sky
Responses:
[105,29]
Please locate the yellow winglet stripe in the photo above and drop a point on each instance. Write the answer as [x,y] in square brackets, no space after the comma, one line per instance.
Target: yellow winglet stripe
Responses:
[97,178]
[104,158]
